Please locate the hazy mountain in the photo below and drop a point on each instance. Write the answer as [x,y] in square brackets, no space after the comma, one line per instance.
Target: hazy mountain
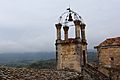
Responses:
[13,57]
[21,59]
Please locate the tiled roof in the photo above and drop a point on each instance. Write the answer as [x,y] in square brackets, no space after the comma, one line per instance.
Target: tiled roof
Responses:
[111,42]
[8,73]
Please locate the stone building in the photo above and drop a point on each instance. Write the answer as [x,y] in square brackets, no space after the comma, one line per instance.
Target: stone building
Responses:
[109,56]
[109,52]
[71,53]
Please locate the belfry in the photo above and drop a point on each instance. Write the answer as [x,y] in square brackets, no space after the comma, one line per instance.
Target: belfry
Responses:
[71,53]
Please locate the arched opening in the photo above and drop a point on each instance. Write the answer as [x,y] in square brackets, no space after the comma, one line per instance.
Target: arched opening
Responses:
[71,32]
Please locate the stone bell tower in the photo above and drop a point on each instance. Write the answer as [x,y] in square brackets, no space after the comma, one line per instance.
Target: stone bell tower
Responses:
[71,53]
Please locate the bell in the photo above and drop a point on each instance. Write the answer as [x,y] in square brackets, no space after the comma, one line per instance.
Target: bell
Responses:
[70,17]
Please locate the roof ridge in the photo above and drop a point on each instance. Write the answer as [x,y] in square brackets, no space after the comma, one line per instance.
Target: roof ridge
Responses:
[111,41]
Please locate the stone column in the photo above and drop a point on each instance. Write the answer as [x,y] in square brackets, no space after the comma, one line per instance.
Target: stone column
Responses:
[66,28]
[83,32]
[77,29]
[58,27]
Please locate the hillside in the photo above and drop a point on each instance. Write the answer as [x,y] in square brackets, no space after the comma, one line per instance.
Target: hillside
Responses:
[39,59]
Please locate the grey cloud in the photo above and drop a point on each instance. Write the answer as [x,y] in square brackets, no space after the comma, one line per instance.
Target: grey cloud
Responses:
[27,25]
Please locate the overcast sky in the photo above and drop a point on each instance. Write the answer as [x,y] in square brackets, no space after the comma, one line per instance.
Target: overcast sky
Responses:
[28,25]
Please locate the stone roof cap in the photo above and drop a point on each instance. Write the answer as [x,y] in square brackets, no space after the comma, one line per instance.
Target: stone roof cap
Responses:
[110,42]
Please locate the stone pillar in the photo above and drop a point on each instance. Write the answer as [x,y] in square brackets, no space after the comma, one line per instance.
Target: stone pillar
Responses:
[83,32]
[77,29]
[66,28]
[58,27]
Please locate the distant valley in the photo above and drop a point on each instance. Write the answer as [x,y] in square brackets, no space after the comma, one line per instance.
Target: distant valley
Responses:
[24,59]
[15,58]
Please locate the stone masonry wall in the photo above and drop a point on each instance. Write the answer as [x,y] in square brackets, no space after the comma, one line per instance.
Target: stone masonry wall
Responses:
[109,59]
[106,54]
[69,57]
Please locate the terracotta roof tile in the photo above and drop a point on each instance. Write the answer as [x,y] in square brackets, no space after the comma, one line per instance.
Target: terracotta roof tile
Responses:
[111,42]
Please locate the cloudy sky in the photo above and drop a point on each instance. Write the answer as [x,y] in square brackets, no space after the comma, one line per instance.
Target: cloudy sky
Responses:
[28,25]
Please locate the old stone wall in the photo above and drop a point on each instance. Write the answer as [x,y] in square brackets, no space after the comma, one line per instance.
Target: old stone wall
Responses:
[69,56]
[106,54]
[109,61]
